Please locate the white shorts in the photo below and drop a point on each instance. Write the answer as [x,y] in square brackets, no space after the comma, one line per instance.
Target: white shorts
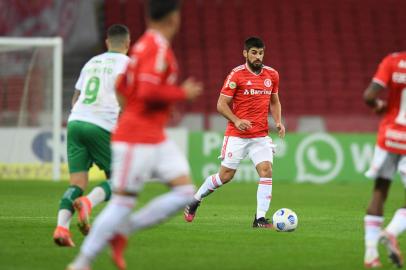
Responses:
[236,149]
[133,164]
[385,164]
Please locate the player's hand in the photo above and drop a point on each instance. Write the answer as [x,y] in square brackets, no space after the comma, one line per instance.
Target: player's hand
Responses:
[242,124]
[281,130]
[192,88]
[381,106]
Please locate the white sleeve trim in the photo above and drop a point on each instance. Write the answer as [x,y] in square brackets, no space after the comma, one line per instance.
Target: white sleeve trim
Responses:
[381,83]
[225,95]
[145,77]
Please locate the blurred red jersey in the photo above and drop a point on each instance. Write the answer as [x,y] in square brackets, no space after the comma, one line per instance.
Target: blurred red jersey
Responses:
[391,74]
[149,88]
[251,95]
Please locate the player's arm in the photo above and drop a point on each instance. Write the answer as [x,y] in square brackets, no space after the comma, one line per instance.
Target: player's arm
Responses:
[379,82]
[223,107]
[153,87]
[276,112]
[371,97]
[120,83]
[148,91]
[78,86]
[75,97]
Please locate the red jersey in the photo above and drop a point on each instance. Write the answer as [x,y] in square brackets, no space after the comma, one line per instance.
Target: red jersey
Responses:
[391,74]
[251,95]
[149,90]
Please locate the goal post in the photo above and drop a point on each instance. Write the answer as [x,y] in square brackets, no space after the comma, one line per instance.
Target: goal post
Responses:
[30,72]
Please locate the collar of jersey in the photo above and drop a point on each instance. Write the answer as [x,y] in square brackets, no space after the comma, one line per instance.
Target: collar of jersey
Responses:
[249,70]
[158,35]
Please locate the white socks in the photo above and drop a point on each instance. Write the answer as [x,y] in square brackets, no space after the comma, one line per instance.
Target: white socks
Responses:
[158,209]
[398,223]
[264,192]
[264,196]
[96,196]
[116,218]
[372,225]
[210,184]
[64,218]
[104,227]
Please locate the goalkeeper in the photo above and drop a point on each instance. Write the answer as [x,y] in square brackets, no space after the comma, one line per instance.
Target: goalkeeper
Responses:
[93,116]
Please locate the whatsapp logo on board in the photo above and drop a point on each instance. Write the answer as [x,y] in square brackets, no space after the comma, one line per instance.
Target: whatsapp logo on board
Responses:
[319,158]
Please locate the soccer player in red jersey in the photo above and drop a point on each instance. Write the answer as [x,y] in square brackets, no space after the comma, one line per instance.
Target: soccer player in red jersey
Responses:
[389,157]
[249,93]
[139,144]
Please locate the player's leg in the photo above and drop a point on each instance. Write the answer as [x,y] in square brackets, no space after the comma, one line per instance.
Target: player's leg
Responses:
[210,184]
[390,234]
[373,222]
[100,153]
[233,151]
[79,162]
[171,168]
[397,225]
[131,165]
[382,170]
[260,151]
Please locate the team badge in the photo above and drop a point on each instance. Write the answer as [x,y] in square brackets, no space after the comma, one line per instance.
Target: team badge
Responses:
[232,85]
[268,83]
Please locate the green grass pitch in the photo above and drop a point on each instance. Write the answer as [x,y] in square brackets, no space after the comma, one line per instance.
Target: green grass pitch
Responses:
[329,235]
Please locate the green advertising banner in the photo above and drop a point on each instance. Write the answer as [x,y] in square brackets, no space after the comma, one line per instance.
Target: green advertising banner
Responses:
[316,158]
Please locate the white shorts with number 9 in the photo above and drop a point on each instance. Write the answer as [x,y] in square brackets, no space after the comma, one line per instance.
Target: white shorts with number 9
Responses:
[236,149]
[133,164]
[385,164]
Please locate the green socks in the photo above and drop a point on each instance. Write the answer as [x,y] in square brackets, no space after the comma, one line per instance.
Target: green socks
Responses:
[69,196]
[107,189]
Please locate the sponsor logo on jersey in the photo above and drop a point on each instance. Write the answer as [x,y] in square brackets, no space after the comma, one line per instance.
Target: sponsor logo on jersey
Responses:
[395,135]
[232,85]
[257,92]
[249,83]
[402,64]
[268,83]
[399,77]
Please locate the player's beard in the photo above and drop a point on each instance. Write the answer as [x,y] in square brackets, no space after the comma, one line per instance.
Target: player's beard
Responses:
[255,66]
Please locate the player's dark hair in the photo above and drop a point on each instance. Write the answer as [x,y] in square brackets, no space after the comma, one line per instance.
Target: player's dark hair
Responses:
[117,30]
[156,10]
[117,34]
[252,42]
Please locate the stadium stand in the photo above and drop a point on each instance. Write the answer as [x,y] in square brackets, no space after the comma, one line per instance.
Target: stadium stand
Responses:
[325,51]
[325,58]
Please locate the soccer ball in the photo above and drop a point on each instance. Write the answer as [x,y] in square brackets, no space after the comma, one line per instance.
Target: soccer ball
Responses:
[284,220]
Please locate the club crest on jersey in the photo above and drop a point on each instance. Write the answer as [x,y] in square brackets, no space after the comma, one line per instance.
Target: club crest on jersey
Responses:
[232,85]
[268,83]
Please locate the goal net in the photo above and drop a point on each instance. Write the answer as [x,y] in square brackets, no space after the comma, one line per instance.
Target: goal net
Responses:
[30,108]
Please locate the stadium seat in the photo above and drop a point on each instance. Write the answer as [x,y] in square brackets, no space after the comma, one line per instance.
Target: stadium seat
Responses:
[325,51]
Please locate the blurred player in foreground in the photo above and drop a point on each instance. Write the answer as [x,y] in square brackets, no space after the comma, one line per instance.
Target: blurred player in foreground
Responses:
[140,147]
[389,157]
[249,93]
[94,114]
